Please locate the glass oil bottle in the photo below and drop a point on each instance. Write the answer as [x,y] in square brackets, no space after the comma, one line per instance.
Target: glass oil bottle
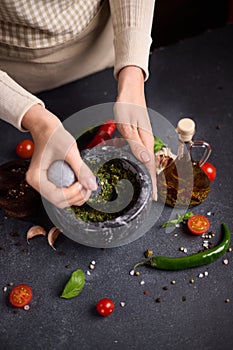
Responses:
[183,183]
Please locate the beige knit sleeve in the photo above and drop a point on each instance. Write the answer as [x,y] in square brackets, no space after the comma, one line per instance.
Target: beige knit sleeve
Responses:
[132,24]
[15,101]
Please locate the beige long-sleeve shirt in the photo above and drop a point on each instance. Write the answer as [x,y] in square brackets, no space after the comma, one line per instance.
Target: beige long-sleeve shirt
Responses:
[30,29]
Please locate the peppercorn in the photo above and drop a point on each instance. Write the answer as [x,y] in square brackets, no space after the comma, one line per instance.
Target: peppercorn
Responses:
[61,253]
[148,253]
[158,300]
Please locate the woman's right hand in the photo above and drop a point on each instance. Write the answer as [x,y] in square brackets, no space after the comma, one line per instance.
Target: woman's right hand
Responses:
[53,142]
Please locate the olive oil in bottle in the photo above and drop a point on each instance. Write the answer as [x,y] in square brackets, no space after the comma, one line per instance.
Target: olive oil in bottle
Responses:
[183,183]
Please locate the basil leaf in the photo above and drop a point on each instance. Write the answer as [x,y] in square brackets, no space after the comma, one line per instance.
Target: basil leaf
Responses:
[158,144]
[74,285]
[187,215]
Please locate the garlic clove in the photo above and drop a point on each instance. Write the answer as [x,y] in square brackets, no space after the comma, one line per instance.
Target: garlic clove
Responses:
[53,235]
[35,231]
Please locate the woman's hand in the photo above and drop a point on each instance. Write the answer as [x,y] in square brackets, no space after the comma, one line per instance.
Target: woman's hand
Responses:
[132,118]
[53,142]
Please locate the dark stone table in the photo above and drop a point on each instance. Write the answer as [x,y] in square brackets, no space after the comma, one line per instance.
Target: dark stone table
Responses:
[192,78]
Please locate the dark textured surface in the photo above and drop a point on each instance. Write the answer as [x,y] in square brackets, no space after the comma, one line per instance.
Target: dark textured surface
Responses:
[192,78]
[179,19]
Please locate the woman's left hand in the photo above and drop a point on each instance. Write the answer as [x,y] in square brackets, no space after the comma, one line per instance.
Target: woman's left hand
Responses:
[132,118]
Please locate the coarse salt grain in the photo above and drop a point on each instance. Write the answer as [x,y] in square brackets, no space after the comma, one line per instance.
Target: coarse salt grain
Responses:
[225,261]
[206,273]
[142,282]
[26,307]
[92,266]
[205,244]
[200,275]
[122,303]
[209,213]
[93,262]
[88,273]
[131,272]
[4,289]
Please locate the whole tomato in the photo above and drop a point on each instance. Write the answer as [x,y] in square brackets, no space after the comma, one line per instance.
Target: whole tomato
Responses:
[105,306]
[25,148]
[210,170]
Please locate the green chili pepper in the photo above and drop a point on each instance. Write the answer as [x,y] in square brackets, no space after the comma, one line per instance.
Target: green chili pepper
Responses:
[194,260]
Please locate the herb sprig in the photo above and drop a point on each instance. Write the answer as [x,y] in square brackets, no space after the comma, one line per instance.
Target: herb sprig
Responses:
[180,218]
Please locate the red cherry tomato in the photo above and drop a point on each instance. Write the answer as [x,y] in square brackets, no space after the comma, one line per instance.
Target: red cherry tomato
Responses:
[20,295]
[198,224]
[210,170]
[25,149]
[105,306]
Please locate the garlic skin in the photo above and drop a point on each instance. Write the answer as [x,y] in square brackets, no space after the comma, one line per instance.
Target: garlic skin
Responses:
[35,231]
[163,158]
[53,234]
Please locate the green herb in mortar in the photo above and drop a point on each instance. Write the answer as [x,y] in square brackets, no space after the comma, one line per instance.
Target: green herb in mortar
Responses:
[110,174]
